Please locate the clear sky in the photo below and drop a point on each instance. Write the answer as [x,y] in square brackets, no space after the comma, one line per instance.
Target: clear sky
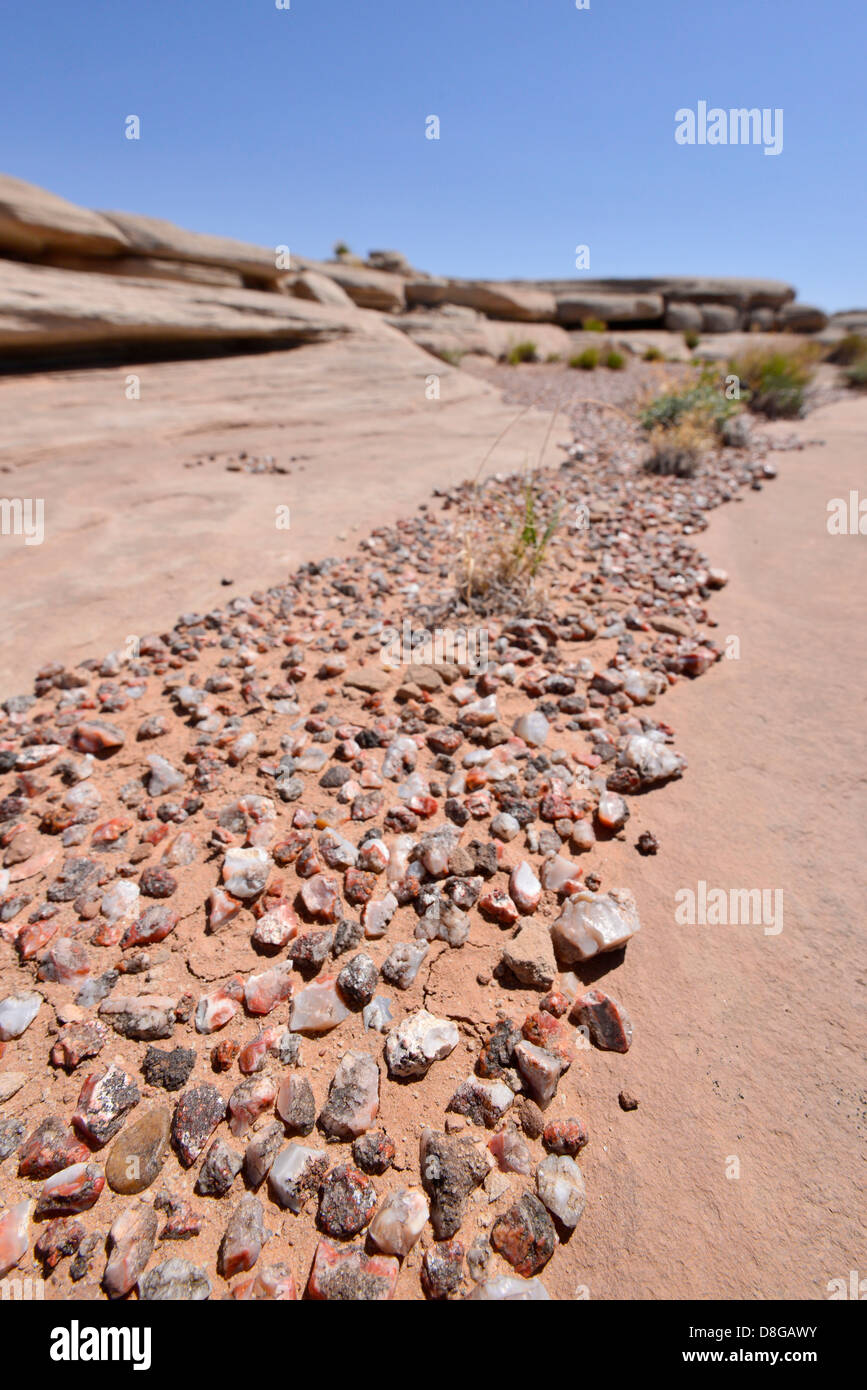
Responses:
[301,126]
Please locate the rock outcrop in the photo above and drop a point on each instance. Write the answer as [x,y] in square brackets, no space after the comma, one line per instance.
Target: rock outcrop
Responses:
[75,282]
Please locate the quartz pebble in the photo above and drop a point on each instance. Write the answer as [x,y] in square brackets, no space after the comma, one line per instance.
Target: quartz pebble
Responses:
[560,1185]
[505,1289]
[295,1175]
[131,1241]
[17,1012]
[243,1239]
[594,922]
[420,1040]
[353,1097]
[399,1221]
[14,1235]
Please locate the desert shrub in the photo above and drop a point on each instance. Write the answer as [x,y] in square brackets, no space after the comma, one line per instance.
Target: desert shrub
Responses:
[615,360]
[554,357]
[678,448]
[454,356]
[594,325]
[586,360]
[653,354]
[856,375]
[691,339]
[848,350]
[341,249]
[522,352]
[499,564]
[705,398]
[773,382]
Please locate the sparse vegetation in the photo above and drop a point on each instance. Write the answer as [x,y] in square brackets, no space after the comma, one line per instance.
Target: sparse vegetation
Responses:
[341,249]
[705,397]
[691,339]
[522,352]
[848,351]
[653,354]
[684,423]
[679,448]
[773,382]
[856,375]
[594,325]
[500,567]
[586,360]
[615,360]
[554,357]
[454,356]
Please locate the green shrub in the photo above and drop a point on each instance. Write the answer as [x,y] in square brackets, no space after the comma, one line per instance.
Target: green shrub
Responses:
[594,325]
[703,399]
[341,249]
[522,352]
[773,382]
[856,375]
[653,354]
[586,360]
[554,357]
[848,350]
[691,339]
[615,360]
[678,448]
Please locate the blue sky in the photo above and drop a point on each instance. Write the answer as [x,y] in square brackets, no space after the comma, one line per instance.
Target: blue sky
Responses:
[306,125]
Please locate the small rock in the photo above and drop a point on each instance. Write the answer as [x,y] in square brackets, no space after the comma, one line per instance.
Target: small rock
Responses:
[347,1200]
[220,1167]
[243,1239]
[564,1137]
[353,1098]
[296,1104]
[131,1239]
[138,1155]
[169,1070]
[525,1235]
[560,1185]
[399,1221]
[104,1102]
[606,1020]
[417,1042]
[197,1114]
[51,1147]
[175,1281]
[349,1275]
[442,1269]
[295,1175]
[71,1190]
[450,1170]
[374,1151]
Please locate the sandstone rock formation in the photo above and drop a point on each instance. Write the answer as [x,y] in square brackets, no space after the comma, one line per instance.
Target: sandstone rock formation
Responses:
[78,282]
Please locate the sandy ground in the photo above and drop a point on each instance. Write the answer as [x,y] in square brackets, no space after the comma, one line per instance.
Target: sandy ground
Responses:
[748,1045]
[129,529]
[746,1056]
